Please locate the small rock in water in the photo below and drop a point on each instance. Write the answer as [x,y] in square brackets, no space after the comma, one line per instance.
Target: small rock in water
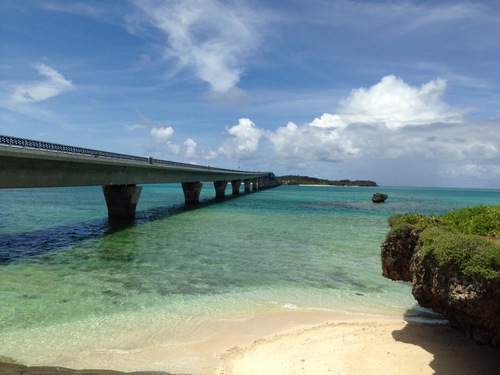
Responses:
[379,197]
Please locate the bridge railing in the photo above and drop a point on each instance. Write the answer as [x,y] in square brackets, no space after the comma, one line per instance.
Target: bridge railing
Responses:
[54,147]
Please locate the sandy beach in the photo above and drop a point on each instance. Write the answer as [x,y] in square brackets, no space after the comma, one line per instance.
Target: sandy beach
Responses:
[301,342]
[363,347]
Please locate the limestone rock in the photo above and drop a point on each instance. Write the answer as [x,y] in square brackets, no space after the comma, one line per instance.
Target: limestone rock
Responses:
[470,303]
[397,253]
[379,197]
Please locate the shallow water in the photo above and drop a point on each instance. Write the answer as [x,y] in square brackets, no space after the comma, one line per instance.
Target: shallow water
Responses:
[72,282]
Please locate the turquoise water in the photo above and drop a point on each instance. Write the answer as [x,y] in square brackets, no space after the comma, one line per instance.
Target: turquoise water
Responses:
[68,275]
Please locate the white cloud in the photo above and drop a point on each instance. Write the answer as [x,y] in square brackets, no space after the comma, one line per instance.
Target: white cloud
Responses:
[302,144]
[163,134]
[191,148]
[243,140]
[457,143]
[328,120]
[389,129]
[174,149]
[210,37]
[53,85]
[473,173]
[367,119]
[395,104]
[392,130]
[27,97]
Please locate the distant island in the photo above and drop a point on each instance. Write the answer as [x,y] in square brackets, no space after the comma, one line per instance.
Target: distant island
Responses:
[305,180]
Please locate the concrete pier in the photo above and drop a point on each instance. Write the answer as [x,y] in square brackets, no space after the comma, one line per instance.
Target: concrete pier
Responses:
[192,192]
[246,182]
[220,189]
[236,186]
[121,200]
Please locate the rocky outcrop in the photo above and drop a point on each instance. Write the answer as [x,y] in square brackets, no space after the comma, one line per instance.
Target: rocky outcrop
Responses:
[379,197]
[469,302]
[397,253]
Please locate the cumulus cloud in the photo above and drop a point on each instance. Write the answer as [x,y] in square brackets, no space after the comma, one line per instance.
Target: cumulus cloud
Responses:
[328,120]
[302,144]
[191,148]
[455,143]
[210,37]
[164,136]
[52,85]
[409,129]
[394,103]
[243,140]
[390,119]
[367,118]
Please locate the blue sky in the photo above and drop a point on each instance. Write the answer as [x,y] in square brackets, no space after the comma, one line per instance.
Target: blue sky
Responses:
[400,92]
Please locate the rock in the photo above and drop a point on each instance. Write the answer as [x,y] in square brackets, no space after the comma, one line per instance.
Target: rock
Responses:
[379,197]
[397,253]
[469,302]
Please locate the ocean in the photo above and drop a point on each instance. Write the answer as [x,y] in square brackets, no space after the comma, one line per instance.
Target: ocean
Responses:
[73,284]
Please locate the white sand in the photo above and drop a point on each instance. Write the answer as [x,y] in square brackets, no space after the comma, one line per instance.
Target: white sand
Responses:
[372,347]
[298,342]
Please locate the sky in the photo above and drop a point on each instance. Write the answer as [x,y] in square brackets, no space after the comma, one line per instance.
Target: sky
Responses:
[403,93]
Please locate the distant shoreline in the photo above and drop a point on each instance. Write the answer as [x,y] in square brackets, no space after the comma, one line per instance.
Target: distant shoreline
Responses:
[306,180]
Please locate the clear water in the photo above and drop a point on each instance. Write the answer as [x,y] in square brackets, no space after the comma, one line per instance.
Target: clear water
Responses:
[68,277]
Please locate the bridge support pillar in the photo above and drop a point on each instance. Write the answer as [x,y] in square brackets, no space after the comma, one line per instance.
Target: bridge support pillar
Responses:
[236,186]
[254,184]
[192,192]
[220,189]
[121,200]
[247,185]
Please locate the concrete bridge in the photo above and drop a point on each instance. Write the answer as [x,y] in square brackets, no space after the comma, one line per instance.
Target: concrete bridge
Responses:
[28,163]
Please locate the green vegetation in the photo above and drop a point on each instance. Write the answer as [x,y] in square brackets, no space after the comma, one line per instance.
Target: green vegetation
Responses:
[480,220]
[305,180]
[461,237]
[470,253]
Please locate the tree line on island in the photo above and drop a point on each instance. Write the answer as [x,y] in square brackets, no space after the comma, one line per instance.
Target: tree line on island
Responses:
[306,180]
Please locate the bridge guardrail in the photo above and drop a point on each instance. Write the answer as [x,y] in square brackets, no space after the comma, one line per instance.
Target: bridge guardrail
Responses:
[55,147]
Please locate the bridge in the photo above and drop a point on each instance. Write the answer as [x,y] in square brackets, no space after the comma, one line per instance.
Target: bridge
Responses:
[26,163]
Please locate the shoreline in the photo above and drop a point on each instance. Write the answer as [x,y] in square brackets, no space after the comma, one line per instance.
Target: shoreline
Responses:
[309,342]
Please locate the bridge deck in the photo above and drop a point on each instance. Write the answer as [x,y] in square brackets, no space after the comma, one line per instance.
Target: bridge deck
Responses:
[25,166]
[28,164]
